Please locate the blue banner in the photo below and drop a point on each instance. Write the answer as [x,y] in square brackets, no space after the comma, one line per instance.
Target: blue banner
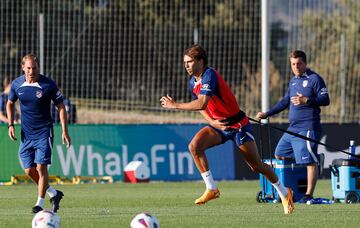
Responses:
[105,150]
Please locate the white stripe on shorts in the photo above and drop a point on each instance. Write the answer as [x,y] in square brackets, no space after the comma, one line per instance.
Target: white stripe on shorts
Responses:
[250,135]
[49,139]
[308,145]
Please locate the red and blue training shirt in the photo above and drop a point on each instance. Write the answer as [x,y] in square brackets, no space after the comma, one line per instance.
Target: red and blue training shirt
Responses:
[222,103]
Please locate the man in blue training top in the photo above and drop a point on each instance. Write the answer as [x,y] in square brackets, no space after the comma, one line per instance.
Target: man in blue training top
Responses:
[35,93]
[306,93]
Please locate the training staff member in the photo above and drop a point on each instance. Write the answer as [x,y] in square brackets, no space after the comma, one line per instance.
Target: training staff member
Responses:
[306,93]
[35,93]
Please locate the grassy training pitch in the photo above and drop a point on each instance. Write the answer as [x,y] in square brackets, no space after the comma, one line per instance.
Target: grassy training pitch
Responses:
[114,205]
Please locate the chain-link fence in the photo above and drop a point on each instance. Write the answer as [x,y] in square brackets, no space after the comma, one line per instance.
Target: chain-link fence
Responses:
[114,58]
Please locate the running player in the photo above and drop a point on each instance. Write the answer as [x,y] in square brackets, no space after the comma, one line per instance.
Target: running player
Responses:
[35,93]
[213,98]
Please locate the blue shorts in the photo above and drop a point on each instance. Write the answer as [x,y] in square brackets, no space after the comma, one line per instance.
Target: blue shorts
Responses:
[35,151]
[239,136]
[303,151]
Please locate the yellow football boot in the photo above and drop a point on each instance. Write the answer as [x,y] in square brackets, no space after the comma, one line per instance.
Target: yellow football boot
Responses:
[208,195]
[287,202]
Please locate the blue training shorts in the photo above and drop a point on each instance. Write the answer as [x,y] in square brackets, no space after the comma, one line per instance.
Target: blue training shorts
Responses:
[303,151]
[35,151]
[239,136]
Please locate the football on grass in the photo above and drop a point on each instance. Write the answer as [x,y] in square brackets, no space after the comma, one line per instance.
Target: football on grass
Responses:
[46,219]
[144,220]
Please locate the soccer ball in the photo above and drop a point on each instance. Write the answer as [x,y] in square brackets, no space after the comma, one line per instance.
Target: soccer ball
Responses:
[46,219]
[144,220]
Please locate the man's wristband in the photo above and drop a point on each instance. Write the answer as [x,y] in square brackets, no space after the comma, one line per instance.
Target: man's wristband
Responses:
[10,125]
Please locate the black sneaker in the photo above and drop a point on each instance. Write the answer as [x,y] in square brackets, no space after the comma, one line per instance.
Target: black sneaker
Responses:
[36,209]
[55,201]
[305,198]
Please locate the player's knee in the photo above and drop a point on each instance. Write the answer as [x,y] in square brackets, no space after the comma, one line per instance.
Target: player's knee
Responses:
[28,171]
[41,170]
[194,149]
[191,148]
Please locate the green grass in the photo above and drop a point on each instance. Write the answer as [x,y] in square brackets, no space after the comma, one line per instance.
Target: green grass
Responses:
[114,205]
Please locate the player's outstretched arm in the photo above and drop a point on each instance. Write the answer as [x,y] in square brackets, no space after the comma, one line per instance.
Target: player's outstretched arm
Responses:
[64,125]
[195,105]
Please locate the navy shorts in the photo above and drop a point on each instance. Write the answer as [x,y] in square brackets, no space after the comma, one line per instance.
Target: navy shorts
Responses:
[303,151]
[239,136]
[35,151]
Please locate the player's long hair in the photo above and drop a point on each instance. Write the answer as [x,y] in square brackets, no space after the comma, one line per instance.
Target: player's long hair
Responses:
[197,52]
